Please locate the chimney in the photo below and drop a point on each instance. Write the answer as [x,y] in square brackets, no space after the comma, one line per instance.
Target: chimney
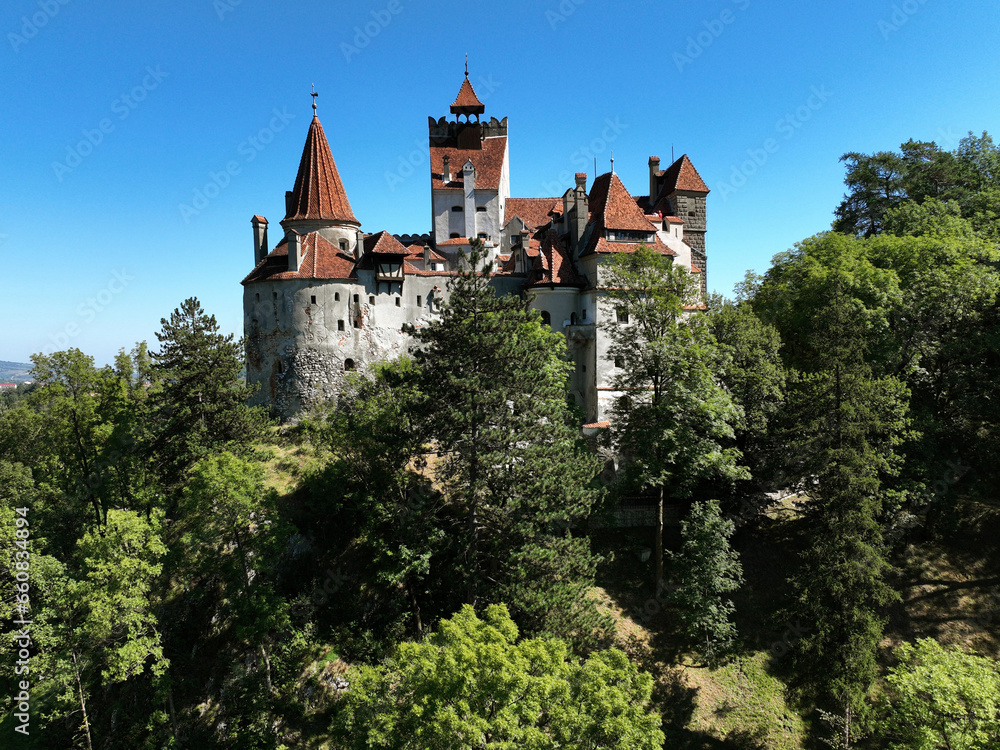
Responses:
[359,245]
[259,239]
[427,256]
[294,251]
[654,167]
[446,176]
[582,211]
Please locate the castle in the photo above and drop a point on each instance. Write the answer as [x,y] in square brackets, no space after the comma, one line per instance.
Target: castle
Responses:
[329,298]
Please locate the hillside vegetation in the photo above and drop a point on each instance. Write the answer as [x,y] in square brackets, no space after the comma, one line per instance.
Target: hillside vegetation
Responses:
[431,561]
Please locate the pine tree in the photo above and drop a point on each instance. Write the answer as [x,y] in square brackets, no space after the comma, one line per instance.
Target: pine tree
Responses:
[845,426]
[494,380]
[201,405]
[706,570]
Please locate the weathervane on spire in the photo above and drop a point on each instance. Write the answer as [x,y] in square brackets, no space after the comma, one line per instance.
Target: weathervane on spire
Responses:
[314,95]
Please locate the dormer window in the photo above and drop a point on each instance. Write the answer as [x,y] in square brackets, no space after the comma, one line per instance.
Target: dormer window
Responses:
[343,246]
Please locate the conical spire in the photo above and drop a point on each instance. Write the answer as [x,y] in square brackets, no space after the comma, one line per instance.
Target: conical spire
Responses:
[467,103]
[318,193]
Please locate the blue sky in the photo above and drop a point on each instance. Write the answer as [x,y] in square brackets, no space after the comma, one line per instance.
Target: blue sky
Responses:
[117,115]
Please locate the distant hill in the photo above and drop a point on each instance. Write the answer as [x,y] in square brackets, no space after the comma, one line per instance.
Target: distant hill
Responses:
[14,372]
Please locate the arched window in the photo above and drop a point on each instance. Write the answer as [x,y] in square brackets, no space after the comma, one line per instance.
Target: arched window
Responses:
[572,319]
[454,235]
[348,364]
[546,318]
[458,209]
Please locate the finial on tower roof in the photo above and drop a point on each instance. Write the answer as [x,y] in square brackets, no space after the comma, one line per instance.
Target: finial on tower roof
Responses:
[314,95]
[612,161]
[466,64]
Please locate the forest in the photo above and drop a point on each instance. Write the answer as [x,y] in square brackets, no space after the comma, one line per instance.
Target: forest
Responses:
[433,560]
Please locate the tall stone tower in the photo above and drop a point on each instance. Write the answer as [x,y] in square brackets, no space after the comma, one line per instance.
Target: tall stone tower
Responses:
[679,191]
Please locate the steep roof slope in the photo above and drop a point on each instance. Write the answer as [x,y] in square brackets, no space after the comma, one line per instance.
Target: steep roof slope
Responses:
[318,191]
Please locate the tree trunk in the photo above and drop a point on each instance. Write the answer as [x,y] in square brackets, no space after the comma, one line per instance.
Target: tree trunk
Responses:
[267,669]
[416,607]
[83,702]
[658,545]
[173,712]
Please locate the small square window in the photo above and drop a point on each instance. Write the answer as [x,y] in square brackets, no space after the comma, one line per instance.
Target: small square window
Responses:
[340,325]
[371,299]
[481,209]
[398,303]
[458,209]
[312,299]
[336,296]
[419,299]
[275,295]
[585,314]
[622,315]
[583,367]
[356,299]
[619,362]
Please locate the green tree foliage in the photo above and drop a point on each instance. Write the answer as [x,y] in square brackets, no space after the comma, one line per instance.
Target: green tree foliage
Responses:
[201,404]
[675,424]
[99,629]
[512,467]
[473,684]
[844,426]
[707,570]
[373,498]
[940,699]
[926,306]
[920,171]
[231,539]
[70,405]
[754,375]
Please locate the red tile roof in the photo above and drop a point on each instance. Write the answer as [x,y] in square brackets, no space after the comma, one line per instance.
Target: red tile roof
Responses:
[383,243]
[320,260]
[488,162]
[673,219]
[534,212]
[260,219]
[601,245]
[418,254]
[411,269]
[467,101]
[318,191]
[612,207]
[597,426]
[681,175]
[553,264]
[455,241]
